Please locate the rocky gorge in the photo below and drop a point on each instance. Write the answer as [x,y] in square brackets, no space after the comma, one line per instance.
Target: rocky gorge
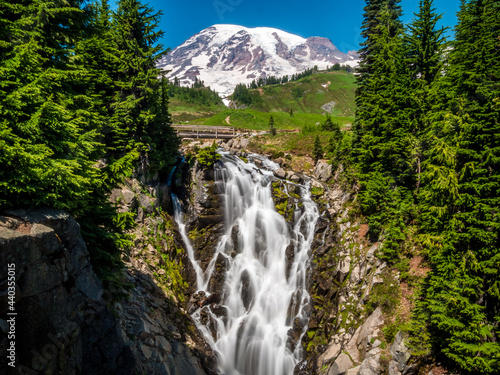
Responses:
[145,326]
[345,328]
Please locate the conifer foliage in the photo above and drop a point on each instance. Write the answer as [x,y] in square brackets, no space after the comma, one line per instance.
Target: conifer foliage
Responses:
[317,149]
[462,301]
[80,101]
[47,128]
[427,143]
[272,128]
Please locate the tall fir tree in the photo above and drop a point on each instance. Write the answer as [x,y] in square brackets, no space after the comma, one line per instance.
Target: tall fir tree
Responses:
[382,137]
[369,50]
[48,129]
[461,301]
[272,128]
[135,111]
[425,45]
[382,126]
[317,152]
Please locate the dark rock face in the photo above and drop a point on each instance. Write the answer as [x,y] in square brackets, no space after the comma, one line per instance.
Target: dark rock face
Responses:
[63,326]
[323,49]
[156,331]
[204,221]
[281,48]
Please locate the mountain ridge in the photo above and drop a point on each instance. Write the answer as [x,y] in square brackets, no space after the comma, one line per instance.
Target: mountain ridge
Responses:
[224,55]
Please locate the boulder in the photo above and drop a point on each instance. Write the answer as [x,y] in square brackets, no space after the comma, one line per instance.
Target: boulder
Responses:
[356,274]
[341,365]
[331,352]
[371,251]
[148,203]
[393,368]
[316,184]
[322,170]
[352,347]
[353,371]
[371,364]
[124,198]
[244,142]
[343,268]
[400,352]
[369,329]
[279,173]
[296,178]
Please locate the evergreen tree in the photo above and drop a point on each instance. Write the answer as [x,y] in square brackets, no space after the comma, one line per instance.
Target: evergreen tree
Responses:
[333,127]
[48,128]
[386,129]
[332,144]
[425,46]
[200,95]
[272,129]
[370,48]
[242,94]
[137,119]
[383,135]
[317,149]
[461,298]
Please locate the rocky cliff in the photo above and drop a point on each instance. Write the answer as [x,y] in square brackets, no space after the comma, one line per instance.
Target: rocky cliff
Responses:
[62,323]
[157,285]
[67,323]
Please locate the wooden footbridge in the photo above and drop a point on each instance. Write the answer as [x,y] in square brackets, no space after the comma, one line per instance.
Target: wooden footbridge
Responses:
[204,131]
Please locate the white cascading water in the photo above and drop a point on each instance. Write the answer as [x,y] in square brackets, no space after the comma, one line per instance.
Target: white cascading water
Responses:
[262,298]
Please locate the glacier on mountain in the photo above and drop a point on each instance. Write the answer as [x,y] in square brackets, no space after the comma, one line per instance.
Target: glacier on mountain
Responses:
[224,55]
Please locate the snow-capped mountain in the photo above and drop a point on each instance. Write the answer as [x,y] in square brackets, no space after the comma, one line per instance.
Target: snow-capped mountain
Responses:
[224,55]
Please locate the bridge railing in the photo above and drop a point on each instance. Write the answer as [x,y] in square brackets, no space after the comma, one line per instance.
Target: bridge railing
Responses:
[203,130]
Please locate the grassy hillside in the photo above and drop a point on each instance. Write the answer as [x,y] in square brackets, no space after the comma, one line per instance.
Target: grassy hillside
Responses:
[256,120]
[305,97]
[309,94]
[182,111]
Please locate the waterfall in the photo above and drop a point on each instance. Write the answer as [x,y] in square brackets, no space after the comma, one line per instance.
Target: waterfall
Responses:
[264,295]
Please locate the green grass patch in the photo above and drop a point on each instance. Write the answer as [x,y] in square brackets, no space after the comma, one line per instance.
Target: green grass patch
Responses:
[250,119]
[300,144]
[182,111]
[315,91]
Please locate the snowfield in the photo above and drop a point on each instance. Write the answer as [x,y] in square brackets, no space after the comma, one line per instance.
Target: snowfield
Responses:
[225,55]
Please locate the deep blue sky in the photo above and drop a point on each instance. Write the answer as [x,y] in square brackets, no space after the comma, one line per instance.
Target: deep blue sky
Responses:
[338,20]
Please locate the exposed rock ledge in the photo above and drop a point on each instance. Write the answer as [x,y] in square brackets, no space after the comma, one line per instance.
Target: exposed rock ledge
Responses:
[64,326]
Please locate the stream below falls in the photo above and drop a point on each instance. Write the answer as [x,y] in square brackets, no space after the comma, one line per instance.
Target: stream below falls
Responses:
[264,296]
